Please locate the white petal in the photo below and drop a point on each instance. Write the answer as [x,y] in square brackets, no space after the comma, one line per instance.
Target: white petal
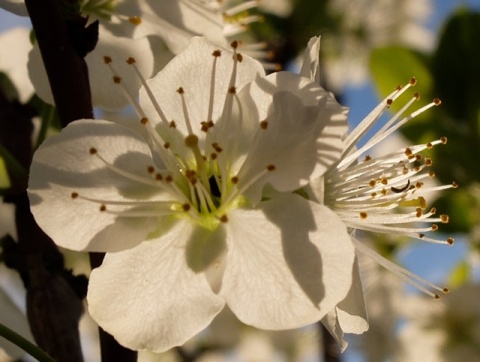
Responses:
[63,164]
[178,21]
[350,315]
[351,311]
[105,93]
[311,63]
[304,132]
[288,264]
[14,63]
[192,70]
[149,297]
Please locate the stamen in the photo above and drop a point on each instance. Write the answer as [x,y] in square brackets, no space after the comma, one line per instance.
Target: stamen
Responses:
[411,278]
[131,61]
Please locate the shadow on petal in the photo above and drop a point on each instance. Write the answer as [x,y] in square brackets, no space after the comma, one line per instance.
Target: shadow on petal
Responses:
[301,255]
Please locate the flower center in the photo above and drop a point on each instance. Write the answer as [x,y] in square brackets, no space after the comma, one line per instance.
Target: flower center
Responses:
[191,172]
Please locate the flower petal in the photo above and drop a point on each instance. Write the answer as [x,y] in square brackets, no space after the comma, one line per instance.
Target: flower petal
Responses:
[149,297]
[311,63]
[14,63]
[63,165]
[350,315]
[303,135]
[192,71]
[178,21]
[288,263]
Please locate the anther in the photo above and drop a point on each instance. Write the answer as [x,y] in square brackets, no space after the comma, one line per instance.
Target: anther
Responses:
[419,212]
[434,227]
[416,95]
[454,185]
[450,241]
[191,141]
[368,158]
[437,101]
[107,59]
[158,177]
[443,140]
[103,208]
[264,124]
[235,180]
[422,202]
[224,218]
[433,211]
[363,215]
[408,152]
[234,44]
[186,207]
[169,179]
[384,181]
[372,183]
[232,90]
[389,102]
[271,168]
[217,147]
[437,296]
[144,121]
[399,190]
[74,195]
[117,79]
[413,81]
[172,124]
[428,162]
[446,290]
[429,145]
[150,169]
[239,58]
[206,125]
[180,90]
[431,174]
[444,218]
[131,60]
[217,53]
[166,145]
[135,20]
[93,150]
[418,185]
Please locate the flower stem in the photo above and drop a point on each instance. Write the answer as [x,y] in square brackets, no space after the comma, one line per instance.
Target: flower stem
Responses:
[24,344]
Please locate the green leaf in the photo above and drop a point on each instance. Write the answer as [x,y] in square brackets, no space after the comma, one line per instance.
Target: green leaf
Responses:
[392,66]
[460,275]
[456,66]
[4,179]
[9,162]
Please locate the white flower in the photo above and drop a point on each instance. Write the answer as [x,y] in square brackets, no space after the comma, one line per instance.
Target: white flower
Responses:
[384,194]
[196,210]
[155,29]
